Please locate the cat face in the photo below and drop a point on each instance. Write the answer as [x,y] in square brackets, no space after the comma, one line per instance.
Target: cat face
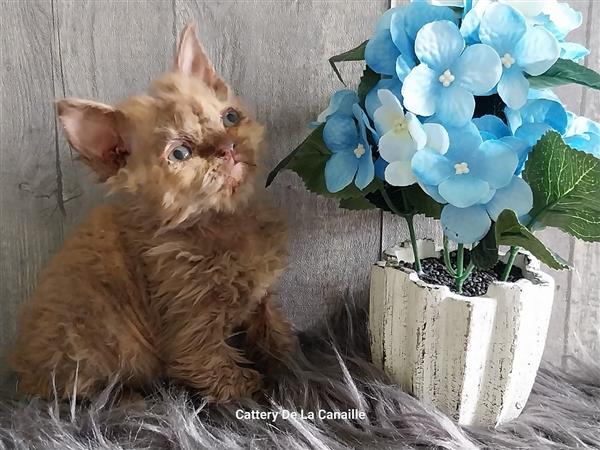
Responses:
[186,147]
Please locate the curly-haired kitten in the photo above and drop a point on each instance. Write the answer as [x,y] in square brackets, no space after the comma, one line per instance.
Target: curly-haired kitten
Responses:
[154,285]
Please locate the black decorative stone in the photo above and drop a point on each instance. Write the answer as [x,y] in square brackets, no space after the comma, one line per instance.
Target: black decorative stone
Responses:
[434,272]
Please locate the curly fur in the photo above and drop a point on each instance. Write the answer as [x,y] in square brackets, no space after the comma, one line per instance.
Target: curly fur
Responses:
[157,284]
[331,372]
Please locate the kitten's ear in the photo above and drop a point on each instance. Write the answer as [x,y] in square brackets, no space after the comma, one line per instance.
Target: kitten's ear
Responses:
[192,60]
[93,130]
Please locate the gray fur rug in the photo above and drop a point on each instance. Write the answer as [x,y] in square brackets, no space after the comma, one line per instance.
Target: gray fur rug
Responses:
[332,373]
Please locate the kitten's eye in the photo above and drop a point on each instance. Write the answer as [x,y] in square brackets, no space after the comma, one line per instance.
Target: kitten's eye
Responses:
[180,153]
[231,118]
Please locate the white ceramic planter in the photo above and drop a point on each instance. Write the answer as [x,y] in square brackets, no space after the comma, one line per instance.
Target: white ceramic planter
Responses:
[474,358]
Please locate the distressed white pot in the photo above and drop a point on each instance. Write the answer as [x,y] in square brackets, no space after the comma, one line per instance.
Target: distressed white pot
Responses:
[474,358]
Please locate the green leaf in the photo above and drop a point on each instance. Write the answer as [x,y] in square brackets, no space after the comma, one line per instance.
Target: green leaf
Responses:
[408,200]
[355,204]
[485,254]
[308,161]
[356,54]
[283,164]
[510,232]
[368,80]
[565,71]
[566,188]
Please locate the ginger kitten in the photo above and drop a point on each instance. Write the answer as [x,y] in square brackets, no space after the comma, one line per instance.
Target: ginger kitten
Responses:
[154,285]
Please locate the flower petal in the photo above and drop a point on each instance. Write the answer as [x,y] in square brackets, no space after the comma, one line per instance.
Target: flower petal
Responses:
[469,27]
[464,190]
[537,51]
[569,50]
[340,170]
[431,168]
[465,225]
[397,146]
[495,163]
[516,196]
[456,106]
[420,89]
[513,88]
[532,132]
[439,44]
[562,19]
[381,53]
[366,170]
[421,13]
[543,110]
[502,27]
[403,67]
[465,137]
[372,101]
[340,133]
[492,125]
[437,137]
[433,192]
[399,173]
[478,69]
[384,22]
[416,130]
[389,114]
[401,39]
[341,102]
[521,149]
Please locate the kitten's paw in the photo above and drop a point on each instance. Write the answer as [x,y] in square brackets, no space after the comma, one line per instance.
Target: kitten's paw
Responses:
[245,383]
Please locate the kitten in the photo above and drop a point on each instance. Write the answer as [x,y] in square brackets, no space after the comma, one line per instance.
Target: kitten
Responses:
[154,285]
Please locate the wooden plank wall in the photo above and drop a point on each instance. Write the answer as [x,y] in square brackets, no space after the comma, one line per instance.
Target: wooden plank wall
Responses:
[274,54]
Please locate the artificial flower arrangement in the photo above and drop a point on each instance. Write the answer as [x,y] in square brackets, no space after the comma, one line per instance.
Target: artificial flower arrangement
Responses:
[454,119]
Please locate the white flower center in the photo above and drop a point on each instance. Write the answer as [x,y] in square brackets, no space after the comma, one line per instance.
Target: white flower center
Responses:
[400,126]
[446,78]
[507,60]
[461,168]
[359,151]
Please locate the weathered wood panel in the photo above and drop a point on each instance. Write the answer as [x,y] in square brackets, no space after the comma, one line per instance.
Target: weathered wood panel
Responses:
[583,318]
[562,243]
[30,207]
[275,54]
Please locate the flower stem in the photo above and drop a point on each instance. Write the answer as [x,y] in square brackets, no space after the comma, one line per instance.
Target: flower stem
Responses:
[413,241]
[447,261]
[460,281]
[460,258]
[411,228]
[514,251]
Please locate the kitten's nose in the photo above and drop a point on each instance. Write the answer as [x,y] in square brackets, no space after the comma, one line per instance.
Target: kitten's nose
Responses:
[226,149]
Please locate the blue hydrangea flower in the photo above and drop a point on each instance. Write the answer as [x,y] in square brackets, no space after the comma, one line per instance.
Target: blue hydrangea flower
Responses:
[583,134]
[401,136]
[522,49]
[470,172]
[372,101]
[340,102]
[470,225]
[560,19]
[391,50]
[493,128]
[346,137]
[536,118]
[449,76]
[540,115]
